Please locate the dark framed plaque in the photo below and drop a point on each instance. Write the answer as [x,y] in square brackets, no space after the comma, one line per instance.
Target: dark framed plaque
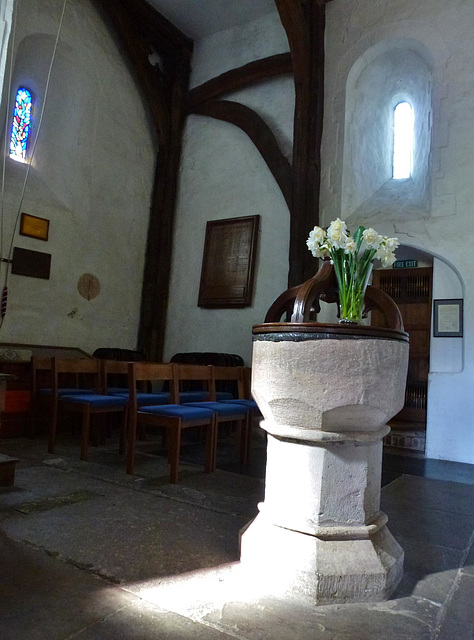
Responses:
[448,318]
[228,263]
[34,264]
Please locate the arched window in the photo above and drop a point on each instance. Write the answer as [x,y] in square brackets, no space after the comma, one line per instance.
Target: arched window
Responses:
[21,126]
[403,139]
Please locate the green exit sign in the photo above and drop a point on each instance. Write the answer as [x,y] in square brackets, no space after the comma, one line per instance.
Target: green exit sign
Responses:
[405,264]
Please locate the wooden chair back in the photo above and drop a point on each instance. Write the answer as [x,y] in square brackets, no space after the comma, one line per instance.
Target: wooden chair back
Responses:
[39,364]
[193,373]
[247,373]
[77,366]
[113,373]
[140,372]
[235,374]
[119,367]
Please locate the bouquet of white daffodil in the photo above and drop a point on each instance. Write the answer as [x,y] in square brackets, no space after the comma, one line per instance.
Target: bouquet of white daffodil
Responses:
[352,257]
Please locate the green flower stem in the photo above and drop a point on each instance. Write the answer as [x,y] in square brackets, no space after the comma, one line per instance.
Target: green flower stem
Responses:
[352,271]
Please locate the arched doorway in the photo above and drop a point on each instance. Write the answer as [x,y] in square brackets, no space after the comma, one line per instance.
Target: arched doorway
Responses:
[410,284]
[419,279]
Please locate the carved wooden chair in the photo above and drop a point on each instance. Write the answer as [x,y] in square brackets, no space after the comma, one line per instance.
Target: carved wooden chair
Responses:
[302,301]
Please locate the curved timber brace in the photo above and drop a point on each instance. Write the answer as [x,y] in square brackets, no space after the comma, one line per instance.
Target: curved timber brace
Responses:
[141,29]
[304,23]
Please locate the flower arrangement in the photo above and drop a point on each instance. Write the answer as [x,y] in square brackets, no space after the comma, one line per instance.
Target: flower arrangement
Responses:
[352,257]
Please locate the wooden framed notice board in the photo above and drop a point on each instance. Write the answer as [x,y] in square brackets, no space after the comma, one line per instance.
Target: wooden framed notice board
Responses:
[228,264]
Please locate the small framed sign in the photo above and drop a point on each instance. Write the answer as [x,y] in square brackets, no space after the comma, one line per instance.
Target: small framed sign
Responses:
[448,318]
[34,227]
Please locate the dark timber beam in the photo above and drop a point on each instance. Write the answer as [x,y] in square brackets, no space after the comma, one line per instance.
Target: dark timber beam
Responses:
[141,31]
[304,23]
[244,76]
[260,134]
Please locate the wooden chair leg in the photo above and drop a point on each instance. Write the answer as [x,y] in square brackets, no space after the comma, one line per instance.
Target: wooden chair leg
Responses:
[33,422]
[103,428]
[97,435]
[175,445]
[251,418]
[86,423]
[244,436]
[53,425]
[131,444]
[123,432]
[209,461]
[214,443]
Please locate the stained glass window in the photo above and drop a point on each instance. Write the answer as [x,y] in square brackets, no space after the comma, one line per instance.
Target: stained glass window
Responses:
[21,125]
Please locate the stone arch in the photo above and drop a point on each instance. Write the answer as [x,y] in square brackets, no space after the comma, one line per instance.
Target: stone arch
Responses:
[429,44]
[392,71]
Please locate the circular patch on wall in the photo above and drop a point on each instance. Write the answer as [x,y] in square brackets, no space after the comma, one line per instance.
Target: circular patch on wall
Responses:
[88,286]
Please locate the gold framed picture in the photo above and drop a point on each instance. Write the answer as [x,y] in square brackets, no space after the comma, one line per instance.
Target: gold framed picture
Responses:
[34,227]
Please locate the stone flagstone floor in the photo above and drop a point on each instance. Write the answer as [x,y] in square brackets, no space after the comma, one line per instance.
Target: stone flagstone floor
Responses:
[89,553]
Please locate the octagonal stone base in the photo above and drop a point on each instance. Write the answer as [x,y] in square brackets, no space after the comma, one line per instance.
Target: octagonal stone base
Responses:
[326,394]
[290,564]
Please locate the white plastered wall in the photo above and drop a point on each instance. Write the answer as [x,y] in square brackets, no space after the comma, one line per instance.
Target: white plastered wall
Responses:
[91,176]
[445,229]
[224,176]
[6,12]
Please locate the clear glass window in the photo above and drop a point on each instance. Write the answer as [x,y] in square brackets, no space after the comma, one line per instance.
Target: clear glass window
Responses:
[403,140]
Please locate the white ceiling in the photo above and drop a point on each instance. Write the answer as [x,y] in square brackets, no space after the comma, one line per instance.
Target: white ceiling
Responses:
[199,18]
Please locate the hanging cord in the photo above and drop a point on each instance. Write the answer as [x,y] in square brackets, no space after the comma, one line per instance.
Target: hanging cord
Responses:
[3,306]
[3,303]
[7,138]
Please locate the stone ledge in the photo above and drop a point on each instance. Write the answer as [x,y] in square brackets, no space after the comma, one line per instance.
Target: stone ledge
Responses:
[7,470]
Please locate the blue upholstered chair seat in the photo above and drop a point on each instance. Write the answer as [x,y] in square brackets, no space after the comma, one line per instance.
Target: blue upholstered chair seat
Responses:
[250,404]
[221,408]
[143,399]
[222,396]
[193,396]
[186,412]
[96,401]
[184,396]
[65,391]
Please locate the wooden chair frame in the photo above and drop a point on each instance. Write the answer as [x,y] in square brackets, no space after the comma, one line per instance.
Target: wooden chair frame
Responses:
[235,374]
[38,364]
[185,372]
[80,366]
[139,371]
[43,364]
